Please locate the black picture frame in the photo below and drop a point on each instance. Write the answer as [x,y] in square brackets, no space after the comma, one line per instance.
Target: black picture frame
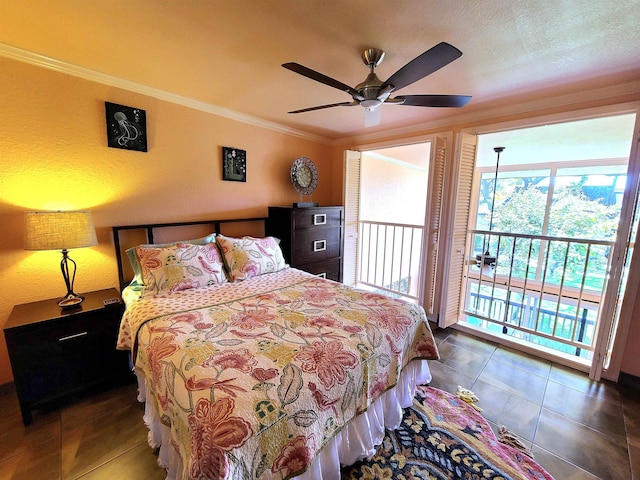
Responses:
[234,164]
[126,127]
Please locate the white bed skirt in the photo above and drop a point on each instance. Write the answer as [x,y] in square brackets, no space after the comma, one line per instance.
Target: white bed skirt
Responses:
[356,441]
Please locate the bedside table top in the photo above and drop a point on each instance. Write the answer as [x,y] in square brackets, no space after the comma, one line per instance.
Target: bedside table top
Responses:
[29,313]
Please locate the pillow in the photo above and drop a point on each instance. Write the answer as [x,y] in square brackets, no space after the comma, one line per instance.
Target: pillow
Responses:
[248,257]
[179,267]
[135,264]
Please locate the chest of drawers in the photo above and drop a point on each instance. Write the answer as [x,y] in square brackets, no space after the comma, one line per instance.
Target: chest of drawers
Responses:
[310,238]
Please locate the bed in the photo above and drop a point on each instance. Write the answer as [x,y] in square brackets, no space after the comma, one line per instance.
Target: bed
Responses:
[251,369]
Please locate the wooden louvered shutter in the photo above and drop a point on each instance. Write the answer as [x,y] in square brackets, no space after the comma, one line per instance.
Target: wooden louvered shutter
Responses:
[432,231]
[351,217]
[461,189]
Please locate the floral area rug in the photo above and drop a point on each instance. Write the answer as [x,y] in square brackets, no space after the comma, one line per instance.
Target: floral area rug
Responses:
[443,437]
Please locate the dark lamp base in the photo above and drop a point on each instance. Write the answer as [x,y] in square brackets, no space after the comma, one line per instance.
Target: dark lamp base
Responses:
[70,300]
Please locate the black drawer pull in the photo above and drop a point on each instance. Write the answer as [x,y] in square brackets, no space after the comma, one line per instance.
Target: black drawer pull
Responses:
[319,245]
[71,337]
[320,219]
[322,275]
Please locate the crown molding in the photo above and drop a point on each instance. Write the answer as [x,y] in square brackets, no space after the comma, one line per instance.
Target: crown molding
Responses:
[482,115]
[61,66]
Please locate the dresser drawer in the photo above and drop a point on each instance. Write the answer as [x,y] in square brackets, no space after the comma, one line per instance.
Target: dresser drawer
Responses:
[329,269]
[313,245]
[317,217]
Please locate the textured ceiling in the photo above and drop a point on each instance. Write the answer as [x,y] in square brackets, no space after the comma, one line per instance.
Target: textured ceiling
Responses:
[228,53]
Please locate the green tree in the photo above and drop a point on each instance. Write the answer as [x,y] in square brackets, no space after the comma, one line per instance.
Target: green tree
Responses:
[572,215]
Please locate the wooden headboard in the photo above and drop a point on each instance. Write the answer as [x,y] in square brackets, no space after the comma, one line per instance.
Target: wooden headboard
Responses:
[127,236]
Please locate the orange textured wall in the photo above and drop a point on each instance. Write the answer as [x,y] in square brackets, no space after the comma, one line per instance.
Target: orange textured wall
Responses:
[53,155]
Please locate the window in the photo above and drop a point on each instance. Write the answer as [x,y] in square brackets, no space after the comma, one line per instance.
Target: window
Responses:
[538,262]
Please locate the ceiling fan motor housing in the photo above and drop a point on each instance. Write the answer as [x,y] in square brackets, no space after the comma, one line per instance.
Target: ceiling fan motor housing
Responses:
[372,57]
[369,90]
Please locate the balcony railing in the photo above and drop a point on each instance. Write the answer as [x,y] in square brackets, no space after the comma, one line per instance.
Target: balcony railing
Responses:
[547,318]
[541,289]
[391,258]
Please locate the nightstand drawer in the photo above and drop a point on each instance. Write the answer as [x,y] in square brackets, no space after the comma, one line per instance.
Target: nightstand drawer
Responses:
[53,357]
[57,333]
[317,217]
[314,245]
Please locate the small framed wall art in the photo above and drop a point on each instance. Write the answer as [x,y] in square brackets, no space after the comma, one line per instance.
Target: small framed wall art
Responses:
[234,164]
[126,127]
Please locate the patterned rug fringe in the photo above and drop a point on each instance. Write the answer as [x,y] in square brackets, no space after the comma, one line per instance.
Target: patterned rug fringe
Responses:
[468,396]
[504,434]
[509,438]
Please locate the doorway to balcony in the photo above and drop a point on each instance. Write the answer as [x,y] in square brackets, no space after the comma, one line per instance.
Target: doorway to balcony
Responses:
[388,212]
[550,226]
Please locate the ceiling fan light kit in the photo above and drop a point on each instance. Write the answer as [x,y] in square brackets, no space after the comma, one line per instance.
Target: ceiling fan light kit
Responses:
[373,92]
[371,117]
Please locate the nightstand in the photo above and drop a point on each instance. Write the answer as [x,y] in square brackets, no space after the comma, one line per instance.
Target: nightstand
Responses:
[58,353]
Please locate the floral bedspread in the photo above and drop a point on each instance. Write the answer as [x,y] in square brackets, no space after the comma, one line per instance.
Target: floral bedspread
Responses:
[254,377]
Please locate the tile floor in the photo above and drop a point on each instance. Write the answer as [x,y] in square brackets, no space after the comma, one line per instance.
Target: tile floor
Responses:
[577,429]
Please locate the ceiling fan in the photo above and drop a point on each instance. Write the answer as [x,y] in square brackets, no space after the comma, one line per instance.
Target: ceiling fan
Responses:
[373,92]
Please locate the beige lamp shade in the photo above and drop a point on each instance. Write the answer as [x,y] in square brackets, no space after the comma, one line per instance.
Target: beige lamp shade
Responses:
[59,230]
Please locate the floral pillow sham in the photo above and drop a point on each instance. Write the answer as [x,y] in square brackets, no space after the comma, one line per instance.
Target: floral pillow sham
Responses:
[135,264]
[249,257]
[179,267]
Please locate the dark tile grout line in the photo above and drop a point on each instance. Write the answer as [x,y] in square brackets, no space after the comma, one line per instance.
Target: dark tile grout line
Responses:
[107,461]
[627,434]
[544,393]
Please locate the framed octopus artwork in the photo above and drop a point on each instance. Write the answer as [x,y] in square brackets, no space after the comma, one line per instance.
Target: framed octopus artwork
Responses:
[126,127]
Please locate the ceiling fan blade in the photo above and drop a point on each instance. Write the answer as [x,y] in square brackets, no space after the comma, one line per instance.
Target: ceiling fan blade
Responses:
[311,109]
[433,59]
[319,77]
[434,100]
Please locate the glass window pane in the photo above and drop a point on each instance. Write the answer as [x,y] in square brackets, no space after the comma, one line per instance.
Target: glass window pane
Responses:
[520,201]
[586,202]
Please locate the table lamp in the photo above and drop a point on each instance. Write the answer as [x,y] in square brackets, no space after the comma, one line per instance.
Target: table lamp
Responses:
[61,231]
